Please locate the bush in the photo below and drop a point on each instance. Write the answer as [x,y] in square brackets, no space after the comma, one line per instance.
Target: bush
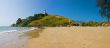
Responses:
[92,23]
[52,21]
[105,24]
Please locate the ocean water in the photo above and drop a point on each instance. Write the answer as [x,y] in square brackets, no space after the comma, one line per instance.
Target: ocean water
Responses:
[13,29]
[10,37]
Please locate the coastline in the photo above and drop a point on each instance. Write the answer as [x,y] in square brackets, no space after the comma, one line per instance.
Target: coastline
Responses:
[72,37]
[58,37]
[14,38]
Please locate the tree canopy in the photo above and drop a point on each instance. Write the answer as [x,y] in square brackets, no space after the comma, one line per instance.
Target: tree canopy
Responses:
[104,8]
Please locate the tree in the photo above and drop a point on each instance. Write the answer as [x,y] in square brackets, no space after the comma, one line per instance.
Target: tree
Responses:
[13,25]
[19,21]
[104,8]
[92,23]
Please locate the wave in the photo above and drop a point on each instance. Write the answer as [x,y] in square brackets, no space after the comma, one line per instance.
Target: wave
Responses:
[9,31]
[16,30]
[31,28]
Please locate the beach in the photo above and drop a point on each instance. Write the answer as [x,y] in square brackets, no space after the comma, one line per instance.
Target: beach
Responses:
[72,37]
[58,37]
[12,40]
[13,37]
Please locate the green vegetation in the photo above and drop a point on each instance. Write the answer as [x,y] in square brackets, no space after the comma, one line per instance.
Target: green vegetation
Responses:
[47,20]
[93,23]
[52,20]
[44,20]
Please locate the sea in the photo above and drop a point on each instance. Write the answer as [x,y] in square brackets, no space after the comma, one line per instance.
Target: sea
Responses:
[11,37]
[13,29]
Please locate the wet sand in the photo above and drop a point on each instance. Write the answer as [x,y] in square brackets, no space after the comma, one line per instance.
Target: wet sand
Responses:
[13,40]
[72,37]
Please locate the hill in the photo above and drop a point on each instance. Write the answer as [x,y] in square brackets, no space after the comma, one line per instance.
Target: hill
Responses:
[47,20]
[43,20]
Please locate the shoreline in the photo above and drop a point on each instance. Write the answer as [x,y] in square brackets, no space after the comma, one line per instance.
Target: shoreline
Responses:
[14,38]
[58,37]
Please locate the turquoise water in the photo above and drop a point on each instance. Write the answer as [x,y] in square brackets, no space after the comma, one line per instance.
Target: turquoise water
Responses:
[13,29]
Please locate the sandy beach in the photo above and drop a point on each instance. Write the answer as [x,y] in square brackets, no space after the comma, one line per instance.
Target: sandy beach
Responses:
[72,37]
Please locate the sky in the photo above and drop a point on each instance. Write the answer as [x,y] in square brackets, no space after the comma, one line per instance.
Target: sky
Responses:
[79,10]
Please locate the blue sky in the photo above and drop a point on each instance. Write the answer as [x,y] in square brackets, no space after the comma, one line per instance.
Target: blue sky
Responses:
[80,10]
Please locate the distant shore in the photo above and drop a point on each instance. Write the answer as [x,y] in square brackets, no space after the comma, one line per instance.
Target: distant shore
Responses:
[72,37]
